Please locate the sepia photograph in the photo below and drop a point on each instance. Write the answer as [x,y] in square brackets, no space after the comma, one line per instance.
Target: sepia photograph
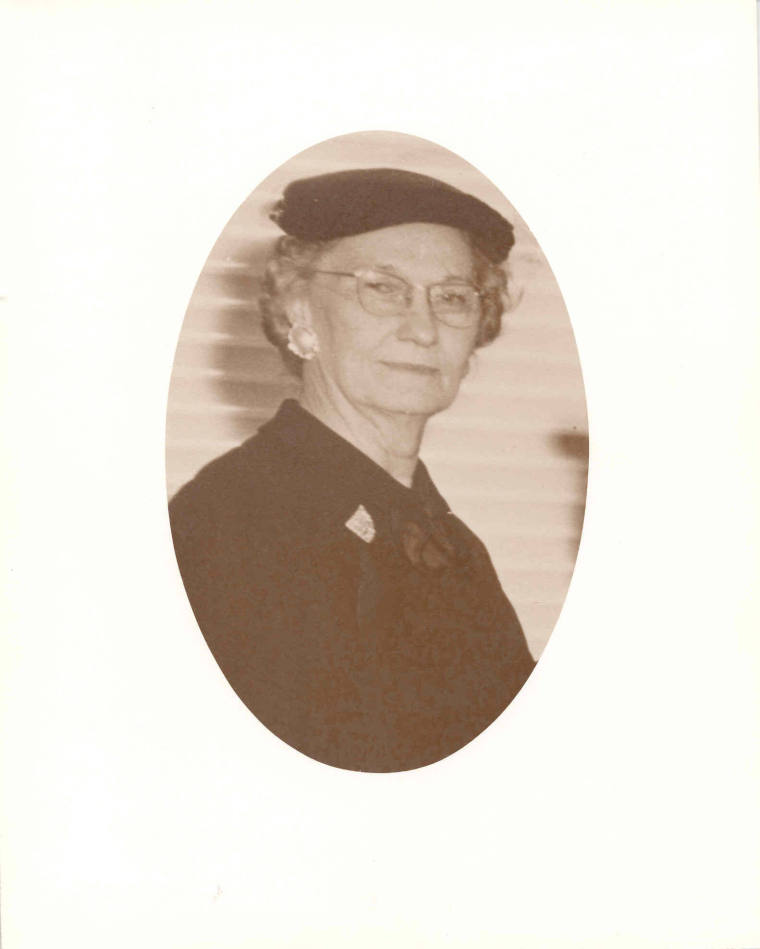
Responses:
[377,567]
[382,525]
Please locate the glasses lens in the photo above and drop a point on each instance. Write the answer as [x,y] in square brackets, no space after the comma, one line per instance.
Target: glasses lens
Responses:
[382,293]
[455,303]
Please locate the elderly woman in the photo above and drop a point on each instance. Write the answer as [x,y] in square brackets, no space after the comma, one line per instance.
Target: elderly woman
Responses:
[353,613]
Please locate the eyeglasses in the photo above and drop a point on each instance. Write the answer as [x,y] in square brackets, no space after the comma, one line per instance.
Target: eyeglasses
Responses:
[454,302]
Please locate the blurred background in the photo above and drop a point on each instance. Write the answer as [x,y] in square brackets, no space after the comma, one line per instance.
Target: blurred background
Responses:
[511,454]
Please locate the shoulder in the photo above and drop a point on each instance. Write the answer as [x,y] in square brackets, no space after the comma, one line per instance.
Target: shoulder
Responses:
[232,488]
[259,491]
[464,538]
[242,470]
[475,553]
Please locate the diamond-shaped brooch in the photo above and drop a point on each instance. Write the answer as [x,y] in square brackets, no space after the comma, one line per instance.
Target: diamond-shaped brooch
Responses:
[361,524]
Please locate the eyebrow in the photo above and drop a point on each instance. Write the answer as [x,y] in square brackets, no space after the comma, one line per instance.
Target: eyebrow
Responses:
[391,268]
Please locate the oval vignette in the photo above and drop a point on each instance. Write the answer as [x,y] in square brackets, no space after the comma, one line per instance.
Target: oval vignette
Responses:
[509,455]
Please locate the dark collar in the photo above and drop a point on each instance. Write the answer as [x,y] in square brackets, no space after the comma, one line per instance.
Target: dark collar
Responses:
[339,477]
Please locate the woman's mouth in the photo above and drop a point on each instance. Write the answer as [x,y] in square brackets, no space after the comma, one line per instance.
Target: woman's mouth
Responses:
[416,367]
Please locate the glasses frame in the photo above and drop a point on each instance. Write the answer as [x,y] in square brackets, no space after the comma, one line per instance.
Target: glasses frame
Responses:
[358,274]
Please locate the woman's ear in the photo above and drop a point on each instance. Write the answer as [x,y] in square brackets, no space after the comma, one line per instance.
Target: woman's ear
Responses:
[298,312]
[302,340]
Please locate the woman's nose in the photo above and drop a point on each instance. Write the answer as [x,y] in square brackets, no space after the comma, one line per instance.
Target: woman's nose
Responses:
[419,323]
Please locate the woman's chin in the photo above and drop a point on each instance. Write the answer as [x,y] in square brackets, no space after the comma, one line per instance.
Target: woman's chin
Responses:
[407,402]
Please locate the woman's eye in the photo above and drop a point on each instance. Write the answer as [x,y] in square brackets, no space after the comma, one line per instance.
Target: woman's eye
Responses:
[454,297]
[382,286]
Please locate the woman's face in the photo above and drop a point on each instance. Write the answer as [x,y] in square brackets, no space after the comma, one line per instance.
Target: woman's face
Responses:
[409,363]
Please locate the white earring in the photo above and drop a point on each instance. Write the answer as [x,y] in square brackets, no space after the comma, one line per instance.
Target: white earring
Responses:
[302,340]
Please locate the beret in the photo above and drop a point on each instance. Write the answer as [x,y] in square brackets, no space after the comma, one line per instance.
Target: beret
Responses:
[344,203]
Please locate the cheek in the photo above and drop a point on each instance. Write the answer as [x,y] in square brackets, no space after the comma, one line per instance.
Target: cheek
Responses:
[345,339]
[457,357]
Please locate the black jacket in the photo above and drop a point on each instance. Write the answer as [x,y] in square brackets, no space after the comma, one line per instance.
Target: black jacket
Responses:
[376,653]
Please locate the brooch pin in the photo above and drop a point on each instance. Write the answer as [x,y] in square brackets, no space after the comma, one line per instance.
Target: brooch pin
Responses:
[361,524]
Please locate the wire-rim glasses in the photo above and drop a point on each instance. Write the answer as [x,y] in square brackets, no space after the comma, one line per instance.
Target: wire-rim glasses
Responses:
[456,303]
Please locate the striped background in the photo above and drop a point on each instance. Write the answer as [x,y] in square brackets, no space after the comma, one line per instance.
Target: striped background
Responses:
[510,456]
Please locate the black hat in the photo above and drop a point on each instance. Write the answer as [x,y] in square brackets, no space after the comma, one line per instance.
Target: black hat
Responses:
[344,203]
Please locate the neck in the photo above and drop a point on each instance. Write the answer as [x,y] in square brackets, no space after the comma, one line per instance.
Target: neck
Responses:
[391,439]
